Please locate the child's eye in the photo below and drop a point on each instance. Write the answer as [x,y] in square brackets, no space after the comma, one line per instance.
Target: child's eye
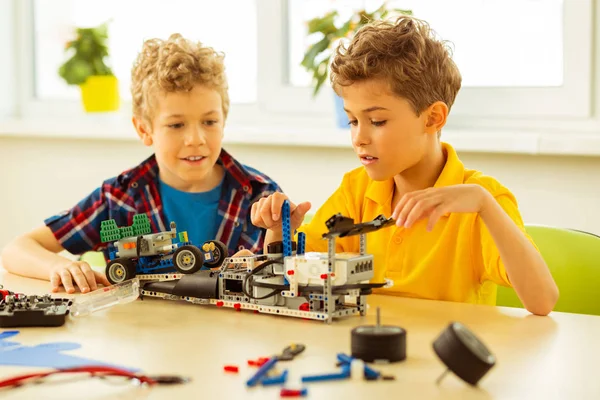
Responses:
[210,122]
[176,126]
[378,123]
[353,122]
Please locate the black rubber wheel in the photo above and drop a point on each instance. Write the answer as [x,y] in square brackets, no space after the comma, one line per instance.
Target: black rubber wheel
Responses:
[119,270]
[188,259]
[220,253]
[378,343]
[463,353]
[277,247]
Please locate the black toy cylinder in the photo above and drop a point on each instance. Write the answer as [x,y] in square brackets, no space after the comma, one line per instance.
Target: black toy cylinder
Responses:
[382,343]
[463,353]
[202,284]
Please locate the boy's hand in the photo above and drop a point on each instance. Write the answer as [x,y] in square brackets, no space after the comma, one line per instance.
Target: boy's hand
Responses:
[76,273]
[247,253]
[243,253]
[432,203]
[266,213]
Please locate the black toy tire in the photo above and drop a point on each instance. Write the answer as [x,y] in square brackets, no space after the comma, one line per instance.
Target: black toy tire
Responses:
[463,353]
[277,247]
[220,253]
[120,270]
[195,262]
[384,343]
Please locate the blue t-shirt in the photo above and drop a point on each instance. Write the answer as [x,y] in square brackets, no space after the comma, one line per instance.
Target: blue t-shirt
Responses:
[195,213]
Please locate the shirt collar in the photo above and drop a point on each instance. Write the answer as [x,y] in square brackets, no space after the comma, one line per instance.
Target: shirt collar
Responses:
[238,175]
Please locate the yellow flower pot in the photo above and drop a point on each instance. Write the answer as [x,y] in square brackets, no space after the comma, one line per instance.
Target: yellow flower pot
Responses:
[100,93]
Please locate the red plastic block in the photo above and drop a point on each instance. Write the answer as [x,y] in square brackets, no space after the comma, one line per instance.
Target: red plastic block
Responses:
[261,361]
[304,307]
[323,276]
[237,306]
[292,393]
[290,272]
[220,304]
[231,368]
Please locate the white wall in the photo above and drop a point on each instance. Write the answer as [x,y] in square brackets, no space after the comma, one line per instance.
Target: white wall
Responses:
[39,177]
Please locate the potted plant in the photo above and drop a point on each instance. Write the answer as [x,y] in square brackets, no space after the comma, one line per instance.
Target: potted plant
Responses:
[329,30]
[87,68]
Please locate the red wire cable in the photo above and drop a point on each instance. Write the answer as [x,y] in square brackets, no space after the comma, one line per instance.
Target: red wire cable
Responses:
[92,369]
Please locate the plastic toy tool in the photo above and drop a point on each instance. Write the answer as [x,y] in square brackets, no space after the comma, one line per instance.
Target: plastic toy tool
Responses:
[288,354]
[378,343]
[463,353]
[350,368]
[100,299]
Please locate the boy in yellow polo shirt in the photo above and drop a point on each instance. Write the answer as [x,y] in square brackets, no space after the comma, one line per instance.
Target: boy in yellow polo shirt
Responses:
[458,232]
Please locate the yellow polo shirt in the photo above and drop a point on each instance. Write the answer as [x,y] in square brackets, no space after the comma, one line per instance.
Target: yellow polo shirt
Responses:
[456,261]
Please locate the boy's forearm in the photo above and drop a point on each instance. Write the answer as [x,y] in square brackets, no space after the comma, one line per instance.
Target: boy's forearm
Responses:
[26,257]
[524,265]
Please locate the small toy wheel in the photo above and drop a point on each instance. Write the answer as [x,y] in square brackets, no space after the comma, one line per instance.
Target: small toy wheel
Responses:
[220,253]
[187,259]
[277,247]
[463,353]
[119,270]
[379,343]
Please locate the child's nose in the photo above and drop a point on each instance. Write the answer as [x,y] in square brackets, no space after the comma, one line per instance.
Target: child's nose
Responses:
[361,136]
[195,137]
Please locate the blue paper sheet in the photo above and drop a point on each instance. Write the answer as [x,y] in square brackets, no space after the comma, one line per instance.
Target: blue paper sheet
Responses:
[45,355]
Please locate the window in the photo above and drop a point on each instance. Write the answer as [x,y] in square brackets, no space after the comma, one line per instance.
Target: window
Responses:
[517,57]
[526,64]
[486,52]
[133,21]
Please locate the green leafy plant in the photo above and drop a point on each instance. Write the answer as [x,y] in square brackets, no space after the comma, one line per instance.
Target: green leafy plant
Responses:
[89,50]
[329,30]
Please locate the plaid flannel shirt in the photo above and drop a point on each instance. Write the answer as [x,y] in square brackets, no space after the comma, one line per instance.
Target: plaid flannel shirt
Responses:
[135,191]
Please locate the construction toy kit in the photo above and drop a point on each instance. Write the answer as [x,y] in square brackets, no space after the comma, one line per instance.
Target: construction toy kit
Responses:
[135,250]
[285,281]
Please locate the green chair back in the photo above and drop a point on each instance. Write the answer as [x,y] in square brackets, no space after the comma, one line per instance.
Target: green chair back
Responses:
[573,258]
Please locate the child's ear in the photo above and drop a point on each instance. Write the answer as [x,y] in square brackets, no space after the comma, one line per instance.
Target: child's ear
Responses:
[142,130]
[436,116]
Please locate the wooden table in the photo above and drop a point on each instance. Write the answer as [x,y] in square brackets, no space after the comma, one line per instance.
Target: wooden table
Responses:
[537,357]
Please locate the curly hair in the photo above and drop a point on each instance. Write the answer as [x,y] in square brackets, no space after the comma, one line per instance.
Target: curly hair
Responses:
[175,65]
[404,53]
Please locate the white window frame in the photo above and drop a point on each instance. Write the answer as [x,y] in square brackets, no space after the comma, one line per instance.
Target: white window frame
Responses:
[254,115]
[282,108]
[572,100]
[31,107]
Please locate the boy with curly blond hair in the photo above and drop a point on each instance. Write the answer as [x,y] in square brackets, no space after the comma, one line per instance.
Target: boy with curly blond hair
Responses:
[180,105]
[458,232]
